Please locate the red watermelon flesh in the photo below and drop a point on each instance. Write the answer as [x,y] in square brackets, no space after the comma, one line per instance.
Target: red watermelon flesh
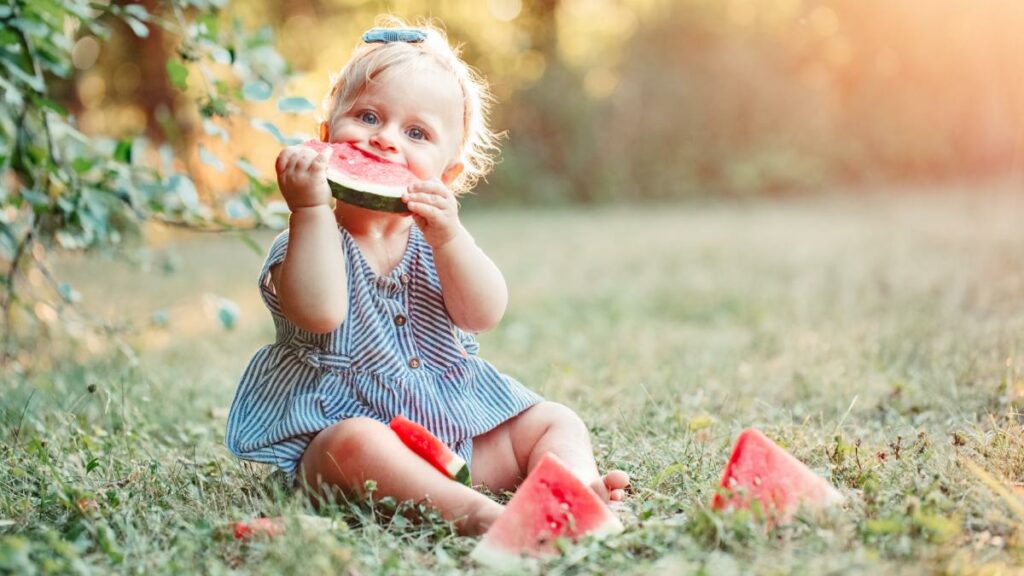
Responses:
[551,503]
[259,527]
[431,449]
[362,179]
[759,470]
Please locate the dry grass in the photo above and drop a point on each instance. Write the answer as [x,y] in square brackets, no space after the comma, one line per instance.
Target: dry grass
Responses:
[879,338]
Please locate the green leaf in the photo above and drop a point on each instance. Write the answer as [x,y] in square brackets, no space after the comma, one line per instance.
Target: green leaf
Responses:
[68,292]
[209,24]
[34,198]
[209,159]
[227,313]
[185,189]
[212,129]
[237,209]
[82,165]
[137,10]
[295,104]
[178,73]
[140,28]
[31,80]
[248,168]
[256,90]
[275,132]
[47,103]
[123,152]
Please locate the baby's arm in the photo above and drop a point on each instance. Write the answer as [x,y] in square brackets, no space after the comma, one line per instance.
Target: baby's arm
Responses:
[310,284]
[473,288]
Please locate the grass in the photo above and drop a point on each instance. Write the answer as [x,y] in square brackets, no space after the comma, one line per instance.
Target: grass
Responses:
[880,339]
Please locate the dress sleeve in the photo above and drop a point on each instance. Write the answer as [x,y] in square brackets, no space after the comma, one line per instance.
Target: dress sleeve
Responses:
[276,255]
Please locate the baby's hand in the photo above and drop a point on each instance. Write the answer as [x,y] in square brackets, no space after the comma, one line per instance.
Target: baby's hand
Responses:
[301,176]
[435,210]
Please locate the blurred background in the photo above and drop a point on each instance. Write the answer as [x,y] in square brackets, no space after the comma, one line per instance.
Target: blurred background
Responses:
[626,100]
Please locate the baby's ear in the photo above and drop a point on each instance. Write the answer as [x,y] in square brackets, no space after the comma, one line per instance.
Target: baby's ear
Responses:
[452,172]
[325,132]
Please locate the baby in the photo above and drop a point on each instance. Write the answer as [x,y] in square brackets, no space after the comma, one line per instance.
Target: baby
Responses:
[375,312]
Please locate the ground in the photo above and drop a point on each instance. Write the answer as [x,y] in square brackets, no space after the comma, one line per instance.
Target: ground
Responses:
[878,337]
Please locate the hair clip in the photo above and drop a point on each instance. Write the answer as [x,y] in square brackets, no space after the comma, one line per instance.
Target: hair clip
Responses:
[386,35]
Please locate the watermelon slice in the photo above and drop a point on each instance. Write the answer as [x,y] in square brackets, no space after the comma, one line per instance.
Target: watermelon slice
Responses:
[428,447]
[759,470]
[365,180]
[271,527]
[551,503]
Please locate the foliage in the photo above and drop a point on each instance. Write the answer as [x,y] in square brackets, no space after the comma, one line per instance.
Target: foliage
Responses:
[704,99]
[90,190]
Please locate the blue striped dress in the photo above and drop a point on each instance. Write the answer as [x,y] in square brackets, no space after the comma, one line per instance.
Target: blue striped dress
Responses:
[397,352]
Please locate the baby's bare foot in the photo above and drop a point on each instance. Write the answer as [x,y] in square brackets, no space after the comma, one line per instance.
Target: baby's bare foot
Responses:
[479,517]
[616,482]
[611,486]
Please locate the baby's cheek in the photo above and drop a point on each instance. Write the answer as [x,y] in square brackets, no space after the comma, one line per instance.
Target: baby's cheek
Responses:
[421,170]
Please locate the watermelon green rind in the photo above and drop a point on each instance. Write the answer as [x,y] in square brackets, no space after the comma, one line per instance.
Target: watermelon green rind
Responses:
[369,200]
[551,504]
[431,449]
[462,474]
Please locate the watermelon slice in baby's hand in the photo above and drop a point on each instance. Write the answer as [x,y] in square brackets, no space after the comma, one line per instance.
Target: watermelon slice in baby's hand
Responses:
[759,470]
[430,448]
[365,180]
[551,503]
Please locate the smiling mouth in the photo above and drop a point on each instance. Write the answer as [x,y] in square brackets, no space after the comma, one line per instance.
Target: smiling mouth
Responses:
[376,157]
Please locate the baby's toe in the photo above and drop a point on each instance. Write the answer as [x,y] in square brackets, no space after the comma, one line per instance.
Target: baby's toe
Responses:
[616,480]
[617,495]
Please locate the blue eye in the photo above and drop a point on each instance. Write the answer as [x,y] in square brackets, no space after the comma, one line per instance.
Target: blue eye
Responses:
[416,133]
[368,117]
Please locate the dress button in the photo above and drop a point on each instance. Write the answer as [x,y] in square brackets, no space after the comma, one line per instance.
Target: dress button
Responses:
[405,279]
[399,320]
[414,362]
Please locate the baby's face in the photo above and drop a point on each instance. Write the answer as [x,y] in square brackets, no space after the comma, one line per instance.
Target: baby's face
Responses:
[408,115]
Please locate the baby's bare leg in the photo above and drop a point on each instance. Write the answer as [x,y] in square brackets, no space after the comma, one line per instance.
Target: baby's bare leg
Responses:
[355,450]
[503,456]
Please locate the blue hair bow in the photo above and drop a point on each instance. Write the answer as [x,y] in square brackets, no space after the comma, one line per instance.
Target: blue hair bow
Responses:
[386,35]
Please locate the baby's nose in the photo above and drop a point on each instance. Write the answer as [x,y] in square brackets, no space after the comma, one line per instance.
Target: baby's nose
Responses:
[383,140]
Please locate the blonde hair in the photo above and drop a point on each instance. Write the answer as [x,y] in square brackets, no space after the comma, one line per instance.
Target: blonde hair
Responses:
[369,60]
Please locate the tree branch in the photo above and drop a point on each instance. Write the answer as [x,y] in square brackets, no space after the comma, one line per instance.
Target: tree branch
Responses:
[8,306]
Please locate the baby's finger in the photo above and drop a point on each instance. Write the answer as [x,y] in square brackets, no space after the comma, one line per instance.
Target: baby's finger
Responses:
[321,160]
[284,159]
[425,210]
[431,199]
[306,158]
[434,187]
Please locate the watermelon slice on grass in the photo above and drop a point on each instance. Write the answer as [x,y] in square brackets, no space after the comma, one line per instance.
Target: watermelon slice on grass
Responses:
[551,504]
[365,180]
[278,525]
[430,448]
[761,471]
